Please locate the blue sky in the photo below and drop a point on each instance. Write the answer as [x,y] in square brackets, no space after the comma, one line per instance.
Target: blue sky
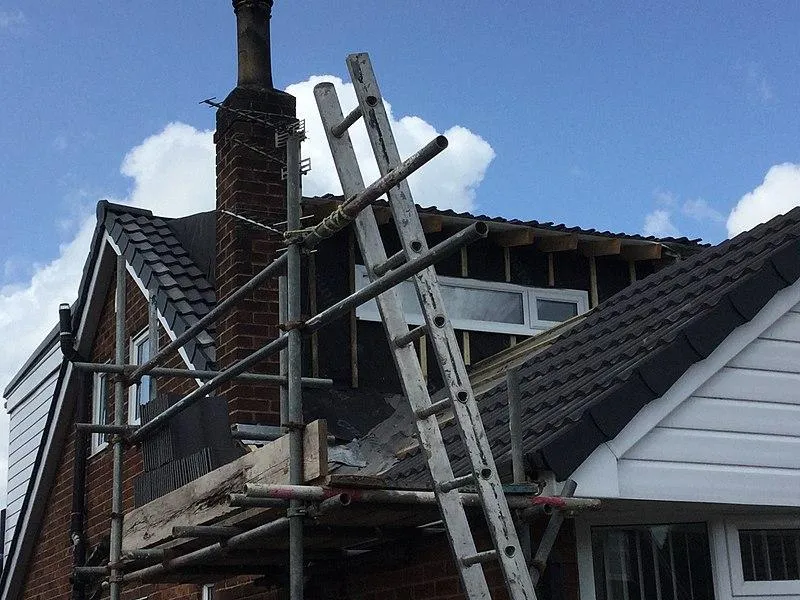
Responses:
[617,116]
[597,113]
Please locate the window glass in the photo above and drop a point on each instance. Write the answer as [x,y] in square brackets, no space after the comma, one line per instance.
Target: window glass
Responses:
[141,392]
[647,562]
[483,305]
[770,554]
[99,409]
[555,310]
[493,306]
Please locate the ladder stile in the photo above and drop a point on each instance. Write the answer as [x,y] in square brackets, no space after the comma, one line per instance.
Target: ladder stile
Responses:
[405,357]
[443,340]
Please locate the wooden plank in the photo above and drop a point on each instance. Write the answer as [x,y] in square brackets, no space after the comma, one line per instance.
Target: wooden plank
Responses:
[522,236]
[641,251]
[431,223]
[557,243]
[608,247]
[551,270]
[593,293]
[631,271]
[205,500]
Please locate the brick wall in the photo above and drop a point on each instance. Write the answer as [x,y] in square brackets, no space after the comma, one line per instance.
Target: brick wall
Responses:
[249,184]
[424,572]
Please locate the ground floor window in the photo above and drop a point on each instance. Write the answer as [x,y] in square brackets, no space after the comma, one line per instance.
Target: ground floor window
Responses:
[764,556]
[652,562]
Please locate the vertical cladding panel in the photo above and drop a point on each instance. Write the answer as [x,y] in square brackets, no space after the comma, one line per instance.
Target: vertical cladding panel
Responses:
[29,403]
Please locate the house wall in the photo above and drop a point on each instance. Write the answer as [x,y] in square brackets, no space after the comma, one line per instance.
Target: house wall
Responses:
[739,432]
[727,431]
[355,352]
[28,403]
[50,567]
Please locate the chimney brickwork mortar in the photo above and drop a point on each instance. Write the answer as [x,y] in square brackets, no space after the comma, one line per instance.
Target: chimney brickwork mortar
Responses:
[249,184]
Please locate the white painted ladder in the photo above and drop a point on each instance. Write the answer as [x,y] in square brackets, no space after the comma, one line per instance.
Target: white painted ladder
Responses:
[438,329]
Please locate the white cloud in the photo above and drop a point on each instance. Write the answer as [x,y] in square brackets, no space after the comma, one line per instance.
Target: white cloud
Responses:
[777,194]
[11,19]
[659,224]
[758,85]
[700,210]
[173,171]
[448,181]
[173,174]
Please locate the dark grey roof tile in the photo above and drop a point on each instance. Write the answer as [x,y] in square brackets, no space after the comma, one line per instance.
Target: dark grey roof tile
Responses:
[587,385]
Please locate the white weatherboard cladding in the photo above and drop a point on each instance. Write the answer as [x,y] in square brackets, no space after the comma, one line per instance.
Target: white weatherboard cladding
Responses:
[728,431]
[29,404]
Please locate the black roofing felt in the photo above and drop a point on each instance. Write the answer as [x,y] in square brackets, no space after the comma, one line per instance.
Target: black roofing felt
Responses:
[544,225]
[590,383]
[183,292]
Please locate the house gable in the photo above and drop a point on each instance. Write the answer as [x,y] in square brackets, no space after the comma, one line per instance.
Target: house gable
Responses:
[727,431]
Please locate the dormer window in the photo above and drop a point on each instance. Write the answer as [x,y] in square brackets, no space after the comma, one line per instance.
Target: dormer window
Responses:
[496,307]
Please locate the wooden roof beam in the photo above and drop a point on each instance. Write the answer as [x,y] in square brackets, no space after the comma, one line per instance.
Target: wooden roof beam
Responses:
[431,223]
[557,243]
[519,236]
[607,247]
[642,251]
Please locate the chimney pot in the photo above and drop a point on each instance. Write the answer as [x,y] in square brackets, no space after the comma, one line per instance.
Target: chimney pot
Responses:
[253,42]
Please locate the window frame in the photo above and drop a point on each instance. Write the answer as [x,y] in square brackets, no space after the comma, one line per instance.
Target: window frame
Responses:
[531,324]
[98,440]
[133,391]
[740,587]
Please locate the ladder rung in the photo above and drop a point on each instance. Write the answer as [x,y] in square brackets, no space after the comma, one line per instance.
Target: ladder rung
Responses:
[458,482]
[338,130]
[434,409]
[394,261]
[480,557]
[410,337]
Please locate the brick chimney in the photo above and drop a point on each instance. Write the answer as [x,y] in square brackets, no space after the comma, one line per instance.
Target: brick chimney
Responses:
[249,184]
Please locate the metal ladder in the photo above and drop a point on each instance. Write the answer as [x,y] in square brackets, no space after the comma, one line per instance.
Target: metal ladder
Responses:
[507,551]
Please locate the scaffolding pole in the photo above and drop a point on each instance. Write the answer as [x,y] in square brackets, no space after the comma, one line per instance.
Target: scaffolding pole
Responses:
[115,549]
[294,360]
[266,378]
[466,236]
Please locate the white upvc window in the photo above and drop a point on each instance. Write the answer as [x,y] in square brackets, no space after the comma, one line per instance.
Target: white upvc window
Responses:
[651,562]
[99,410]
[764,556]
[496,307]
[208,592]
[139,393]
